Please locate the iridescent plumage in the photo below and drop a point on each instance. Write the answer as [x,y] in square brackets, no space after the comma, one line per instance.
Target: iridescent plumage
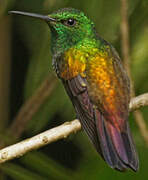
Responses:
[98,86]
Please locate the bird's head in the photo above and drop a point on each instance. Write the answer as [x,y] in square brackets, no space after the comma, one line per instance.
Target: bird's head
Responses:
[68,26]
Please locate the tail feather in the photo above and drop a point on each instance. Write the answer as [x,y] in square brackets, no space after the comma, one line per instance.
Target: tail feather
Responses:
[117,147]
[117,140]
[107,148]
[132,154]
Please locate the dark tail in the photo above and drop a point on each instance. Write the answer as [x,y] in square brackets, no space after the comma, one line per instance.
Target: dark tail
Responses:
[117,147]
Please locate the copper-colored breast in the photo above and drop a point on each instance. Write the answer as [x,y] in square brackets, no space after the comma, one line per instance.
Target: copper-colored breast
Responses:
[73,64]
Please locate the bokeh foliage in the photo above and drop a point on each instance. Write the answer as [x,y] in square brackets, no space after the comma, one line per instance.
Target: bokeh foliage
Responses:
[25,61]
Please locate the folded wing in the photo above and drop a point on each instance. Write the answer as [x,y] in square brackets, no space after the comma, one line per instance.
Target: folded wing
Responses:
[115,147]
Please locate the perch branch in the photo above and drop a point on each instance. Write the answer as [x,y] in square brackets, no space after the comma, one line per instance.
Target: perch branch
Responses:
[55,134]
[39,140]
[139,101]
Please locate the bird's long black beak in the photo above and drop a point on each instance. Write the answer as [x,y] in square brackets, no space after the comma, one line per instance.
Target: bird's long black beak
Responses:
[34,15]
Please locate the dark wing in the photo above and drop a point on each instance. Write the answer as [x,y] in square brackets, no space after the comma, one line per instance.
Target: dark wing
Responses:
[115,148]
[77,90]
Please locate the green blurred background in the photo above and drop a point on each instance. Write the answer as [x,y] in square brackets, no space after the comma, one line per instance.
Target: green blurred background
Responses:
[25,62]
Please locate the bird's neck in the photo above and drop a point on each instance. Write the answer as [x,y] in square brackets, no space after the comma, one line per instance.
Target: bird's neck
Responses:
[73,60]
[60,44]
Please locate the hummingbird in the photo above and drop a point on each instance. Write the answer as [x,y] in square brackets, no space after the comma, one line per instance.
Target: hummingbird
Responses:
[96,82]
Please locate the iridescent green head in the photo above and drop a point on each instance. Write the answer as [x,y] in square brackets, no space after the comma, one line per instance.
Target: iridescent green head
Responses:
[68,27]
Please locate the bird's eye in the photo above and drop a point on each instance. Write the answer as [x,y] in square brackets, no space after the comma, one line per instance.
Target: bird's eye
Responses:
[69,22]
